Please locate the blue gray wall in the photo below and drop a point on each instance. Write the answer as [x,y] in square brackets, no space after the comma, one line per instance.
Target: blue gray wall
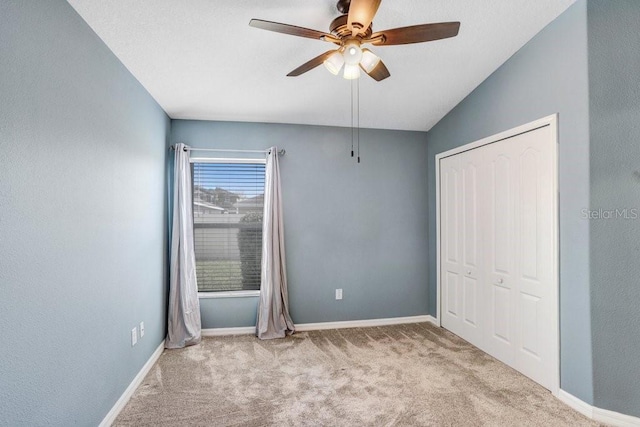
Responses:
[614,87]
[359,227]
[82,211]
[547,76]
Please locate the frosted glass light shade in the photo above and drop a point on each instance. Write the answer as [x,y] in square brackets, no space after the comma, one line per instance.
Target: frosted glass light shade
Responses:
[351,71]
[352,53]
[334,63]
[369,60]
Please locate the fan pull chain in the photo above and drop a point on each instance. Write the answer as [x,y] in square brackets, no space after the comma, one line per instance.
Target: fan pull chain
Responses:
[358,109]
[351,118]
[355,118]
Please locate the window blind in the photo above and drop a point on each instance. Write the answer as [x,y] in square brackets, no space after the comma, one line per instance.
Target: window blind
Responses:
[228,200]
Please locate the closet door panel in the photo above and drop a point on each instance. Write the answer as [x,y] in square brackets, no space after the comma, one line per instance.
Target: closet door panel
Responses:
[499,241]
[536,303]
[462,299]
[450,236]
[470,169]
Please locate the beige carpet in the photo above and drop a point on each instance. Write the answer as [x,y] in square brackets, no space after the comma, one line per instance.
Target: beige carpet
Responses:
[405,375]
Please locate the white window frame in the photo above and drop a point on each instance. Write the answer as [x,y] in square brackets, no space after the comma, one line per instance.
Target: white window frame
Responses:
[227,294]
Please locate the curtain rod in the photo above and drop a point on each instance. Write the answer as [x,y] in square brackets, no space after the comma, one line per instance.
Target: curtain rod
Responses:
[281,152]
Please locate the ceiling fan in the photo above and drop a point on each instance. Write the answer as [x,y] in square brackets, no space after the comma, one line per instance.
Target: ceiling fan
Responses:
[353,29]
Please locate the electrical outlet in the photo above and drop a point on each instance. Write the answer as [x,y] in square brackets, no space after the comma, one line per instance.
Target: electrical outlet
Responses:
[338,293]
[134,336]
[141,329]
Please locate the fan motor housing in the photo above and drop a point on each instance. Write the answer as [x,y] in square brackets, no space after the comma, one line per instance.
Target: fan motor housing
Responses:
[340,29]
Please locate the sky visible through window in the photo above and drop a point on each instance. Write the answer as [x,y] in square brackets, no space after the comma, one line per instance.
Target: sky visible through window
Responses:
[243,179]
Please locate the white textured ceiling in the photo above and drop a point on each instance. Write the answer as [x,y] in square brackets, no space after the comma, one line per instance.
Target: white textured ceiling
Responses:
[200,59]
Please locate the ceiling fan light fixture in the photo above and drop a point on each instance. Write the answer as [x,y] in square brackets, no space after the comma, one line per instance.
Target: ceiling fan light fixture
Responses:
[334,63]
[369,60]
[349,31]
[351,71]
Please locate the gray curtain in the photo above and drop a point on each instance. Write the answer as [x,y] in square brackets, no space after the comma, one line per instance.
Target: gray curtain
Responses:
[274,320]
[183,323]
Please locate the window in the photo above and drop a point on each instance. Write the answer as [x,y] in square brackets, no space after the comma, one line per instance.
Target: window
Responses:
[228,198]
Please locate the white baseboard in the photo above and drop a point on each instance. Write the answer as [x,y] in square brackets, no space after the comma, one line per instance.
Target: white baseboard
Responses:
[570,400]
[615,418]
[302,327]
[598,414]
[120,404]
[217,332]
[433,320]
[361,323]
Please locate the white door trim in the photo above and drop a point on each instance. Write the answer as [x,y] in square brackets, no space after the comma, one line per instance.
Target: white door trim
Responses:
[552,122]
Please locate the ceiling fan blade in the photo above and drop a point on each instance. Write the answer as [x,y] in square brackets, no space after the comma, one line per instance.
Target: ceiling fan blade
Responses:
[361,13]
[290,29]
[310,65]
[415,34]
[379,73]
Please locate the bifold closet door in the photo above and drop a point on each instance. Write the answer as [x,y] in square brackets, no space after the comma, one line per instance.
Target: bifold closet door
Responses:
[498,289]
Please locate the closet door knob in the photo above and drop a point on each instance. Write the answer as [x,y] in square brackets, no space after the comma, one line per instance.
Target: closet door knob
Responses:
[500,280]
